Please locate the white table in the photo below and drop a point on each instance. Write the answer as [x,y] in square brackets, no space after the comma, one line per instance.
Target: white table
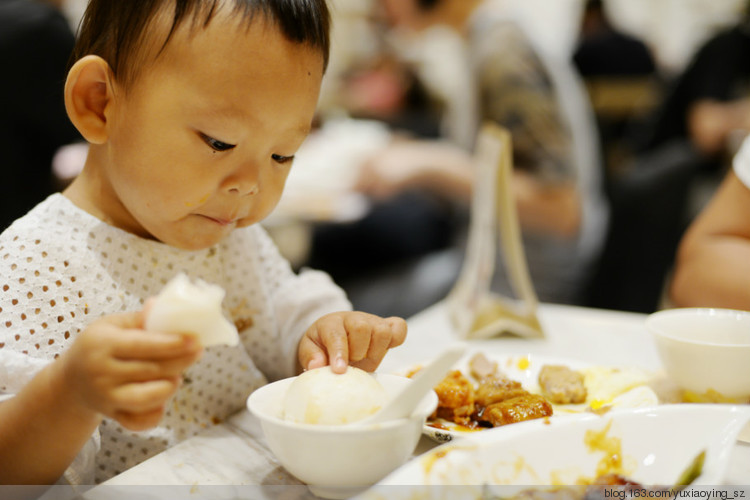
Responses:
[593,335]
[235,453]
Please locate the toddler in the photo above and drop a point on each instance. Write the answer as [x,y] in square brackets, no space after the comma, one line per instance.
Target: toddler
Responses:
[193,110]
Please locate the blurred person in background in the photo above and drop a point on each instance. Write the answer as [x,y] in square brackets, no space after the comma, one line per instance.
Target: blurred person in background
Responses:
[605,50]
[709,102]
[374,254]
[509,80]
[367,79]
[35,44]
[621,75]
[713,262]
[680,156]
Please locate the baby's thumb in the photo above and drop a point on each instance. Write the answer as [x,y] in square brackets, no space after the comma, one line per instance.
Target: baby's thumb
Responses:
[147,306]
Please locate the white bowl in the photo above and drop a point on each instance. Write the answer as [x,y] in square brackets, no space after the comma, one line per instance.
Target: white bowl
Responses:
[338,461]
[651,446]
[705,351]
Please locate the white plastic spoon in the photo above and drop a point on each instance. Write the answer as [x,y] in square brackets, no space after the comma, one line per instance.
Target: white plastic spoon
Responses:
[405,402]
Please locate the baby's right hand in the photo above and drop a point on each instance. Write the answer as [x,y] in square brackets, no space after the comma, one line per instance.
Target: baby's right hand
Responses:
[119,370]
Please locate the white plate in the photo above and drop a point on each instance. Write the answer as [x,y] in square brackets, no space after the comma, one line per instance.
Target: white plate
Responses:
[607,386]
[656,445]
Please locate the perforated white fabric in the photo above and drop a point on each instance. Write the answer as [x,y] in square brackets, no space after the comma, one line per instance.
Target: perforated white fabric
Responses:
[61,268]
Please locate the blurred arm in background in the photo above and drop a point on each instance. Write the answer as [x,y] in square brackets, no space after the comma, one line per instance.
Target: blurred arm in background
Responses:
[713,260]
[711,123]
[447,170]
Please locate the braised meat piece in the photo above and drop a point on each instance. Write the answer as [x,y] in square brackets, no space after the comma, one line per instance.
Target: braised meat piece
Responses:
[519,409]
[495,390]
[481,368]
[455,398]
[561,385]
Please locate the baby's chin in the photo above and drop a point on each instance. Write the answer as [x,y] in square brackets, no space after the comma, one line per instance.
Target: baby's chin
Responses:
[195,241]
[196,234]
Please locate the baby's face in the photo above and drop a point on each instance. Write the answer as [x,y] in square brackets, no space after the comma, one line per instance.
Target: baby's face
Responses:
[202,142]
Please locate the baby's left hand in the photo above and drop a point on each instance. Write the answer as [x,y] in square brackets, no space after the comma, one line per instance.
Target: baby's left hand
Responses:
[350,338]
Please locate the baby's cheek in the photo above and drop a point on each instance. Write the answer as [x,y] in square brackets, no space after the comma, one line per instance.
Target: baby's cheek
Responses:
[263,208]
[253,218]
[198,201]
[245,222]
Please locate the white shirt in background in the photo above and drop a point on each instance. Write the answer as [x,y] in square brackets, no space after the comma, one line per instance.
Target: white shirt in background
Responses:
[741,163]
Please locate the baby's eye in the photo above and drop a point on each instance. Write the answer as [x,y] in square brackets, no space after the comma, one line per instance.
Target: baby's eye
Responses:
[282,159]
[216,145]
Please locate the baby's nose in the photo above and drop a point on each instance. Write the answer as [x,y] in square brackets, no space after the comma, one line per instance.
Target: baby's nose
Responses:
[251,190]
[244,182]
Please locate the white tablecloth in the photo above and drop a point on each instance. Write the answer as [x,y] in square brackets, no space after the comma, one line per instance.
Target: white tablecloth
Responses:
[235,453]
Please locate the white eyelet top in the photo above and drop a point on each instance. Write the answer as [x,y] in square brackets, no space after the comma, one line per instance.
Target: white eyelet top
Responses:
[61,268]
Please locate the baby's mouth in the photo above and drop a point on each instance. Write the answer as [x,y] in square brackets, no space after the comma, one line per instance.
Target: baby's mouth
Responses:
[221,220]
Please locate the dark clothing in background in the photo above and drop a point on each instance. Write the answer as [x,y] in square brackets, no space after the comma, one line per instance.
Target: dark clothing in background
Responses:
[35,44]
[720,70]
[376,259]
[661,192]
[611,53]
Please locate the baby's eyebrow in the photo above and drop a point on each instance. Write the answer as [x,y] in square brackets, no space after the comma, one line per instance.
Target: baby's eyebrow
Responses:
[227,112]
[223,112]
[235,113]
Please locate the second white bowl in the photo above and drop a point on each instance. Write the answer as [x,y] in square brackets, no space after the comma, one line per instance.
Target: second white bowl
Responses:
[705,351]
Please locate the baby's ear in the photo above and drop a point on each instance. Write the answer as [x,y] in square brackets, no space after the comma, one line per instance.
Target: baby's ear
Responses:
[89,96]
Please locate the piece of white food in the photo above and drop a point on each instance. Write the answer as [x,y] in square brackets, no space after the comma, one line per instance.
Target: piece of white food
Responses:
[186,307]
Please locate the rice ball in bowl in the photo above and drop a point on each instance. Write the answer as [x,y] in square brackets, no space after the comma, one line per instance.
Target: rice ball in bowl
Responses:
[336,460]
[705,351]
[321,396]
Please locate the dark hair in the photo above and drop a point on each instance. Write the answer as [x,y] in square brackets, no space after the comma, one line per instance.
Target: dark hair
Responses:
[115,30]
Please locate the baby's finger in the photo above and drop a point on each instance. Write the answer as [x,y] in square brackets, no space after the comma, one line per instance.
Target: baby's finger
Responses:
[147,306]
[379,344]
[359,332]
[126,320]
[398,329]
[141,371]
[139,421]
[145,396]
[311,355]
[382,337]
[332,335]
[140,344]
